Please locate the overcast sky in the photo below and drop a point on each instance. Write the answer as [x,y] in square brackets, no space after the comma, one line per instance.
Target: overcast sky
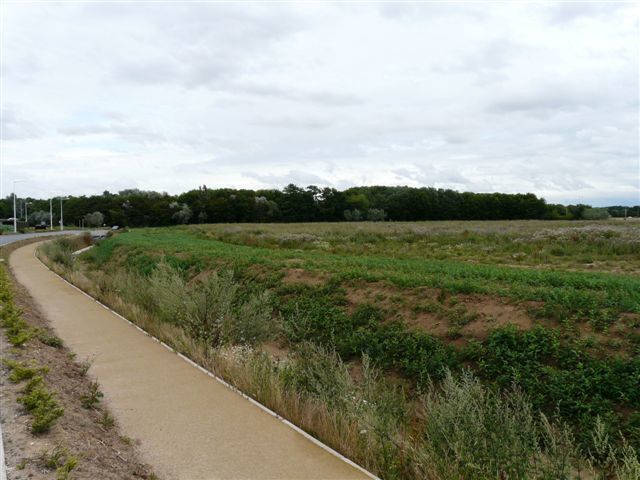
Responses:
[486,97]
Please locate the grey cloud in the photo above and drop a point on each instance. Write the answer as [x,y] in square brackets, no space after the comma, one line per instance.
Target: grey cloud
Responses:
[294,94]
[494,97]
[293,176]
[563,12]
[549,99]
[433,175]
[301,122]
[148,72]
[16,127]
[127,132]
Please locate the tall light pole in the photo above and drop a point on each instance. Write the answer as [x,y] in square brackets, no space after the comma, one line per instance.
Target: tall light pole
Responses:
[61,217]
[51,214]
[15,218]
[26,213]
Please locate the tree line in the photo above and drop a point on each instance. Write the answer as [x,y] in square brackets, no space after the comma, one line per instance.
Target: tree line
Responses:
[139,208]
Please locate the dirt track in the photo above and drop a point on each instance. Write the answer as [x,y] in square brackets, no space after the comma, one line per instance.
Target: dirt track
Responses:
[189,426]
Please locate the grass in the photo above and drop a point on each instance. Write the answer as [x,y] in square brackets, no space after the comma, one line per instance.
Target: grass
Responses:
[106,421]
[605,245]
[356,373]
[591,296]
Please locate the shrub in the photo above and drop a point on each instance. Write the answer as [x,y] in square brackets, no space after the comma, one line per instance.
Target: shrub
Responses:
[60,251]
[59,459]
[320,373]
[472,431]
[20,371]
[252,321]
[595,214]
[166,295]
[92,398]
[49,339]
[42,405]
[209,308]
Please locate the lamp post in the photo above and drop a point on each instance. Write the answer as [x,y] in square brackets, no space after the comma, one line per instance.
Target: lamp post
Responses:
[61,216]
[26,213]
[15,218]
[51,214]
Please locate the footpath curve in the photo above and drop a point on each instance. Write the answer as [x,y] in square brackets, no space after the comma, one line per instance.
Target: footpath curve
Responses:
[189,425]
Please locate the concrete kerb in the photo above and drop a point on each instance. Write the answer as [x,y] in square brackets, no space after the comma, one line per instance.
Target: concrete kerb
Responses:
[220,380]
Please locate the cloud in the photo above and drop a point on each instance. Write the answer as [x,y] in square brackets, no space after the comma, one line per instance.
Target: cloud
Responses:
[14,126]
[501,97]
[292,176]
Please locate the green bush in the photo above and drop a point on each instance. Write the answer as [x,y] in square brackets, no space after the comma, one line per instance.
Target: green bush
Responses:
[472,431]
[21,371]
[41,404]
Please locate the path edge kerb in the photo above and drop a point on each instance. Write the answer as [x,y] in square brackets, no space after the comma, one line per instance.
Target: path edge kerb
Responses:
[264,408]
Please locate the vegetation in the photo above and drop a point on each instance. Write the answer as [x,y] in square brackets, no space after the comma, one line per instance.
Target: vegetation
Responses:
[35,397]
[413,359]
[60,460]
[92,398]
[136,208]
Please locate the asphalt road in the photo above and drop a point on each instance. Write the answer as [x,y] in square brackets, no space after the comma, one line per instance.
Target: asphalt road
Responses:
[10,238]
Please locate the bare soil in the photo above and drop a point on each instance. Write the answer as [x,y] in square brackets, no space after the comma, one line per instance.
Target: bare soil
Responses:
[489,312]
[298,275]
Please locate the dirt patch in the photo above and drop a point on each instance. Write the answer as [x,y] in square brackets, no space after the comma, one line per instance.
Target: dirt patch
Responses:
[101,451]
[275,350]
[298,275]
[631,319]
[472,316]
[491,313]
[430,323]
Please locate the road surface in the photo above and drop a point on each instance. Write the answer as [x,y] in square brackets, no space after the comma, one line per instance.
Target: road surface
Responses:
[189,425]
[10,238]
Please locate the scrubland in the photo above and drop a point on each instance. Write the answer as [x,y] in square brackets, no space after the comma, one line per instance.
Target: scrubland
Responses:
[420,350]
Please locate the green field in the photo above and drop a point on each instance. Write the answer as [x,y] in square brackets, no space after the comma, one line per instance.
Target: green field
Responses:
[551,309]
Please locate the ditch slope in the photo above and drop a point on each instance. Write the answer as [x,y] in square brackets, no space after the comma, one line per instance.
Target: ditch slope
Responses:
[188,425]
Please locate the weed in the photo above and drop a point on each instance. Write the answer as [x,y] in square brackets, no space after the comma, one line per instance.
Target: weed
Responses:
[92,398]
[60,460]
[84,366]
[54,458]
[49,339]
[106,420]
[63,472]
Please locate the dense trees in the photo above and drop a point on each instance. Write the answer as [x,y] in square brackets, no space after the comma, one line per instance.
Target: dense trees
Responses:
[138,208]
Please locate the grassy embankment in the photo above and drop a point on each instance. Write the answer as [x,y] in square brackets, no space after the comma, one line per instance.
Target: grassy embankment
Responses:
[374,337]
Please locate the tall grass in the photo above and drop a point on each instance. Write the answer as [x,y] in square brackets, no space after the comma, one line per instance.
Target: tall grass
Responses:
[458,428]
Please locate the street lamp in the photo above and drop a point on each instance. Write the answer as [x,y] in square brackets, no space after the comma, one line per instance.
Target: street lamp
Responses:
[26,214]
[51,214]
[61,217]
[15,219]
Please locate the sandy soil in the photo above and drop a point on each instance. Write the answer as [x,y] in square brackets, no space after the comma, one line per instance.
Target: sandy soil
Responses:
[188,425]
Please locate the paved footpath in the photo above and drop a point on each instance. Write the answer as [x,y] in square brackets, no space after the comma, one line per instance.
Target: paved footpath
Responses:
[189,425]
